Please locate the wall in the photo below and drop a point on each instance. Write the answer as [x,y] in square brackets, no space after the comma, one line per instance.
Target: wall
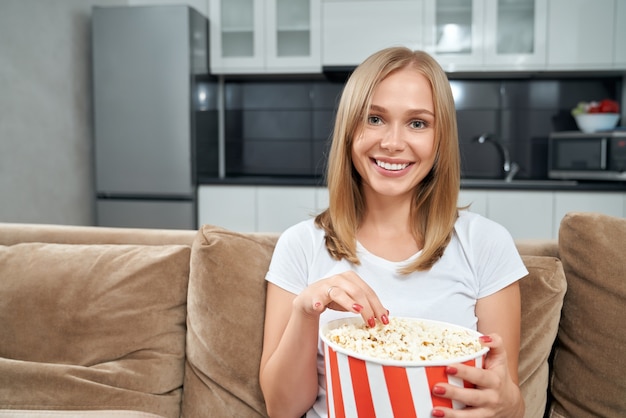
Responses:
[45,111]
[46,162]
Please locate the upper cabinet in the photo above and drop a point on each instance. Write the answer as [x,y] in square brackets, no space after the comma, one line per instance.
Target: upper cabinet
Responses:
[354,29]
[302,36]
[265,36]
[581,34]
[476,35]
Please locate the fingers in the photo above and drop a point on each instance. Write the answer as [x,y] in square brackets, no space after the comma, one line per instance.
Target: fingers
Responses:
[348,292]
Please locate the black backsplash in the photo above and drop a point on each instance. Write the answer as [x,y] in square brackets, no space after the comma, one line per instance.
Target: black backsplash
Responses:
[283,128]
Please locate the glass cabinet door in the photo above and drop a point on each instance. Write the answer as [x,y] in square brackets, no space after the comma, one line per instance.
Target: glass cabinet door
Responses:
[486,34]
[454,31]
[517,34]
[237,34]
[293,35]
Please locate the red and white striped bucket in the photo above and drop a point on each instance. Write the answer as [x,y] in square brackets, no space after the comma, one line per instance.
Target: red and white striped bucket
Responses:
[361,386]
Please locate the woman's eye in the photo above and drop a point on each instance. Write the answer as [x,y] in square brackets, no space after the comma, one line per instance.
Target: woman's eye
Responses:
[374,120]
[418,124]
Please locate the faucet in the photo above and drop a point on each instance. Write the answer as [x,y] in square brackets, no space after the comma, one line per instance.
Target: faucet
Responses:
[510,168]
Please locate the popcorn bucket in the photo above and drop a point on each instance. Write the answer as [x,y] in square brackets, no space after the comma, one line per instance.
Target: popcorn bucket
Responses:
[363,386]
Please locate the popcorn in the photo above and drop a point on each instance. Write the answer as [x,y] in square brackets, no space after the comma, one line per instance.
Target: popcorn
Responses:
[406,339]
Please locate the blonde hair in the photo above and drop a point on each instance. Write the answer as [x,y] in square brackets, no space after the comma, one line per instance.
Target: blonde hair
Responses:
[434,208]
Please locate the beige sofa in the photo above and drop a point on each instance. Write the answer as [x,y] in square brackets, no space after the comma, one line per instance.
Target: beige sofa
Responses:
[99,322]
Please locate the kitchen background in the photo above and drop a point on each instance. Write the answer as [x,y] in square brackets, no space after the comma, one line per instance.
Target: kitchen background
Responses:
[277,121]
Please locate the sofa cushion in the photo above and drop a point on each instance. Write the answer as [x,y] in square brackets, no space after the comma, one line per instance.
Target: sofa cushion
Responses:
[542,292]
[589,377]
[226,310]
[92,327]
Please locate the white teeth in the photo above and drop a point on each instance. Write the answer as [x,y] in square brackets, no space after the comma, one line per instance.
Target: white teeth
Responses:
[391,167]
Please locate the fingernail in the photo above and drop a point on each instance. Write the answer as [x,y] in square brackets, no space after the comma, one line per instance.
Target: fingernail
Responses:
[438,413]
[451,370]
[485,338]
[384,319]
[371,322]
[357,308]
[318,304]
[439,390]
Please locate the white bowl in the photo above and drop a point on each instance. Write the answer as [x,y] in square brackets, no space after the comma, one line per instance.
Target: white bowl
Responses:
[594,122]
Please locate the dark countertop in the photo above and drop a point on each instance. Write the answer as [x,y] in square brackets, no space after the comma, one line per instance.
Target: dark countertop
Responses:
[466,184]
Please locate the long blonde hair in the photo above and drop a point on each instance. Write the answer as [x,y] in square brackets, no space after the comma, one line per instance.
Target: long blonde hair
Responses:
[434,208]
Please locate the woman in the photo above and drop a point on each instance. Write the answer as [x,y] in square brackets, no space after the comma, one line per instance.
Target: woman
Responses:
[393,241]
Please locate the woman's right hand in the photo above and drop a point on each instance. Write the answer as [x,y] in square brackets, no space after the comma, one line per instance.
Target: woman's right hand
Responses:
[345,292]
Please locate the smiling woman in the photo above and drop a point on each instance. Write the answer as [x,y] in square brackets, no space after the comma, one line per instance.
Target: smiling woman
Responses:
[392,241]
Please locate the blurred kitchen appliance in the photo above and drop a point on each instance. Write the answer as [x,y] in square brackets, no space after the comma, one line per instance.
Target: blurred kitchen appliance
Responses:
[149,64]
[587,156]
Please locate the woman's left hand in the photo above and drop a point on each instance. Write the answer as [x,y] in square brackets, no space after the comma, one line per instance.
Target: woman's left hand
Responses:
[495,395]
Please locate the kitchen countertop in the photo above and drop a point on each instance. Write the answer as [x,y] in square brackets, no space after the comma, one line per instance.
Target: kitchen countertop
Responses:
[466,184]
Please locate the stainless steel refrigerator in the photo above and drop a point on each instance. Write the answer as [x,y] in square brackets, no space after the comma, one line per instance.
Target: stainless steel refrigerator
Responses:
[149,66]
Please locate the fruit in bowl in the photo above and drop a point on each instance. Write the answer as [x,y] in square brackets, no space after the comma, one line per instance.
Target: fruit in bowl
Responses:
[596,116]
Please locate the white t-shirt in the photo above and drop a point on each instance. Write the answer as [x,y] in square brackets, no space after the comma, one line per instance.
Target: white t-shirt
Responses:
[480,260]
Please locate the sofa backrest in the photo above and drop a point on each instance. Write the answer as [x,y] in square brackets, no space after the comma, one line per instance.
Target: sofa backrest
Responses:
[15,233]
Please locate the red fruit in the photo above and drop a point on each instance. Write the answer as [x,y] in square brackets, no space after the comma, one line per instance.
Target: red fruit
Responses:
[594,109]
[609,106]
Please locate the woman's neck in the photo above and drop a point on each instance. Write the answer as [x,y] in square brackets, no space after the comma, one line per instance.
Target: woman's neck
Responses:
[386,230]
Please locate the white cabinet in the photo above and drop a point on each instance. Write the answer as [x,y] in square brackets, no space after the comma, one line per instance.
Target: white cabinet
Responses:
[475,35]
[602,202]
[231,207]
[581,34]
[526,214]
[476,200]
[354,29]
[265,36]
[280,207]
[619,52]
[258,208]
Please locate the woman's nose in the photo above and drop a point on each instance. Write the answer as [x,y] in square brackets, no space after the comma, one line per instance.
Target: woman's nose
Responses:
[392,139]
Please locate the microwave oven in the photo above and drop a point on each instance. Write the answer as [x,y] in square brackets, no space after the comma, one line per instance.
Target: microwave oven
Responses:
[587,156]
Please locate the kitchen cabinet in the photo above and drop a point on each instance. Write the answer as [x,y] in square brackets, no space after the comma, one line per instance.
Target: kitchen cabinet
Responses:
[619,52]
[611,204]
[581,34]
[258,208]
[475,199]
[354,29]
[231,207]
[526,214]
[265,36]
[478,35]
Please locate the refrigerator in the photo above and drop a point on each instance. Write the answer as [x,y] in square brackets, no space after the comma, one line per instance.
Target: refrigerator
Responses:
[150,76]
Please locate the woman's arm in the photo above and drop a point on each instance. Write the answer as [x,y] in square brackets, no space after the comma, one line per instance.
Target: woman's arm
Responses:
[288,372]
[500,313]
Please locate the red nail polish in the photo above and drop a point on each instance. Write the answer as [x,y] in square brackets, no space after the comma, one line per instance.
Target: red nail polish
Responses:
[438,390]
[451,370]
[485,338]
[371,322]
[357,308]
[384,319]
[438,413]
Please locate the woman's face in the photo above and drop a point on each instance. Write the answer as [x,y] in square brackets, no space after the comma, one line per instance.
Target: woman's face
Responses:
[395,149]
